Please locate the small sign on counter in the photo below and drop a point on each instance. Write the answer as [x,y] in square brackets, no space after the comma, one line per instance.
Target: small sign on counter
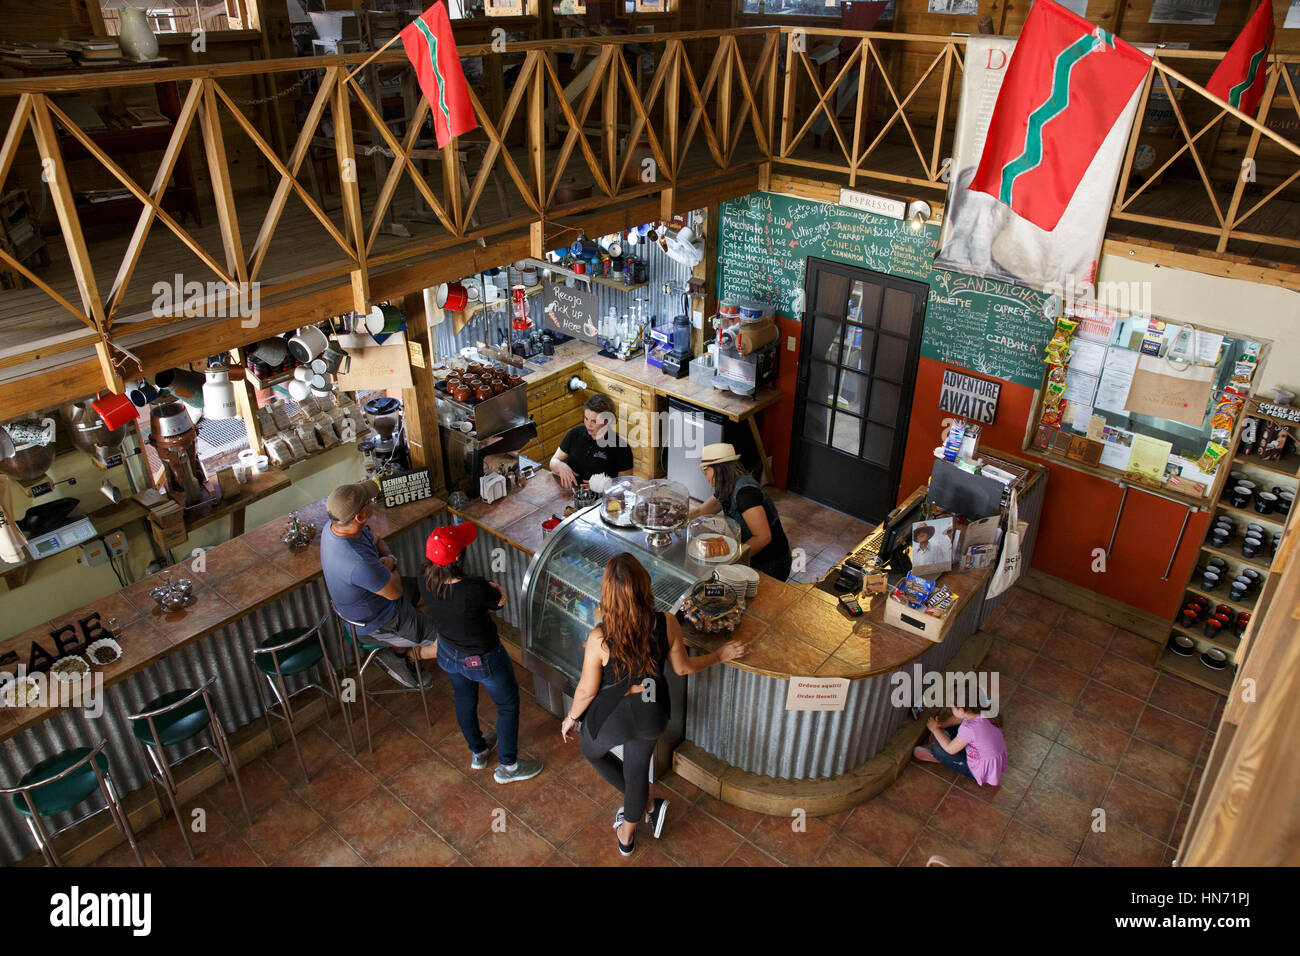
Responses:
[407,487]
[817,693]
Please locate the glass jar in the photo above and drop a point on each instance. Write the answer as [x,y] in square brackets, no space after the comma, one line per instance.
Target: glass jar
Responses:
[620,498]
[663,507]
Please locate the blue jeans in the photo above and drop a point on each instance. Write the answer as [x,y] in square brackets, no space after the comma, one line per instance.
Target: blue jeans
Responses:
[955,761]
[495,672]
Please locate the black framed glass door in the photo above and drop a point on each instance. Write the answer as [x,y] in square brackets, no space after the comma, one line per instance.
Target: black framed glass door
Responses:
[857,370]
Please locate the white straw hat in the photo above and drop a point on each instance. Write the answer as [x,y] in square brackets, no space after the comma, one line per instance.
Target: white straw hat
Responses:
[718,453]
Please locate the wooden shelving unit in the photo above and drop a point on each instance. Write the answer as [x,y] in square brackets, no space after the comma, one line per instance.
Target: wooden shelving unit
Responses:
[1267,473]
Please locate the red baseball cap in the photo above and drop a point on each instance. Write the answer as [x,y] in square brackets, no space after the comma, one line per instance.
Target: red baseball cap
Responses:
[445,544]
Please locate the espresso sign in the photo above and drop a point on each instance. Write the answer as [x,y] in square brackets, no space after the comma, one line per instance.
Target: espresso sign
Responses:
[573,312]
[969,397]
[407,487]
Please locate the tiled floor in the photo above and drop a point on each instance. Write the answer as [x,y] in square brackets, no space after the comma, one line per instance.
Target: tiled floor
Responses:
[1090,725]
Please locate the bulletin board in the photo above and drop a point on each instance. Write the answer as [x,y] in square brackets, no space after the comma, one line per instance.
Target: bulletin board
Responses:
[1133,411]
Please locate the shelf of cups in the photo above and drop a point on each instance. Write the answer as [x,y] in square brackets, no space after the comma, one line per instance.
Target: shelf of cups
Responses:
[1220,599]
[1250,514]
[1236,555]
[1191,668]
[1228,643]
[1288,466]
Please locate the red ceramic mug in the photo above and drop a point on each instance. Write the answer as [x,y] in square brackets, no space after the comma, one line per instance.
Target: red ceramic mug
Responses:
[115,410]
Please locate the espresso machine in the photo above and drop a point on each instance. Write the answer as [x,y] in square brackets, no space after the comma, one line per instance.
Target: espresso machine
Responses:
[174,437]
[388,449]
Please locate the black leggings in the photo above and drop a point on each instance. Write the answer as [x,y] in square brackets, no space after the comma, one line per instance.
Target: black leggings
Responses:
[631,775]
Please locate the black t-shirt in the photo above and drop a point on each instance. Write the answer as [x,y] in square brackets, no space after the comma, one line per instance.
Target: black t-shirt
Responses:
[778,549]
[588,457]
[464,617]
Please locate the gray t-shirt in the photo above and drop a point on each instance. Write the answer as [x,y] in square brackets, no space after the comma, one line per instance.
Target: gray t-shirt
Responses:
[354,575]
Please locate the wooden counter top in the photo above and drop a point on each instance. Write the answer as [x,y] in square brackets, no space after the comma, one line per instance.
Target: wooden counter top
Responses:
[571,355]
[795,631]
[235,578]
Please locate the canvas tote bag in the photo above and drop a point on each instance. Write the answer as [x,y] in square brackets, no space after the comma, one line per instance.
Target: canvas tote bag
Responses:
[1009,563]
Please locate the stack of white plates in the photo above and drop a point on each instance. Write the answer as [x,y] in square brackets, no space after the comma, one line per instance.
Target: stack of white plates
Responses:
[743,578]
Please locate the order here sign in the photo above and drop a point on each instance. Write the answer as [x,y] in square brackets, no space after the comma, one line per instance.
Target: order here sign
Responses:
[817,693]
[969,397]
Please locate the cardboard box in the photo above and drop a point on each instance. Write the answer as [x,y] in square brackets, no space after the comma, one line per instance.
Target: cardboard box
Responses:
[917,623]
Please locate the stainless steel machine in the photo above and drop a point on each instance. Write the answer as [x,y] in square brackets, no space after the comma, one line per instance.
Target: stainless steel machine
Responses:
[472,430]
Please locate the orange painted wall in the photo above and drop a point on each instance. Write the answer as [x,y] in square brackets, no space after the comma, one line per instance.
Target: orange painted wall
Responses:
[1079,510]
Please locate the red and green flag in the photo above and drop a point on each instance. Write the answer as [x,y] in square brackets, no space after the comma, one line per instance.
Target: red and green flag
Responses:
[432,51]
[1240,75]
[1068,84]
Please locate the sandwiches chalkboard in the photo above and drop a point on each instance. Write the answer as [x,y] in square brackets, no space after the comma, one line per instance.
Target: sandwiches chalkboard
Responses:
[994,328]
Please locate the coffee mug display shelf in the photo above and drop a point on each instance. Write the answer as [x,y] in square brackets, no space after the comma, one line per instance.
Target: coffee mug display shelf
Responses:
[1266,474]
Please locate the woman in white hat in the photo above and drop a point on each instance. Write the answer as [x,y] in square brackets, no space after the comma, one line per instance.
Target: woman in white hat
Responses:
[744,500]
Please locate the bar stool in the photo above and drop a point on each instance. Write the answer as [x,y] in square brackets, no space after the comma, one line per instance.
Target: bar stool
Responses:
[295,650]
[59,783]
[173,718]
[349,629]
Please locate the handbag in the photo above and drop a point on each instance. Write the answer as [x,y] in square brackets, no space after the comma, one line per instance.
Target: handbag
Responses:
[1009,567]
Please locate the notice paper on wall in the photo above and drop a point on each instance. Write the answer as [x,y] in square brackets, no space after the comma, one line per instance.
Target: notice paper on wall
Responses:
[1160,392]
[1149,456]
[1116,377]
[1087,357]
[1117,445]
[1095,324]
[1080,387]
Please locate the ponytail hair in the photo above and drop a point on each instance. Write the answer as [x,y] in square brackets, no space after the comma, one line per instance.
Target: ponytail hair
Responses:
[980,708]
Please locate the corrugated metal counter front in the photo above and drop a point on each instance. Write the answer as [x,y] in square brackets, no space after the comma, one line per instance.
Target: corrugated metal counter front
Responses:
[739,715]
[226,652]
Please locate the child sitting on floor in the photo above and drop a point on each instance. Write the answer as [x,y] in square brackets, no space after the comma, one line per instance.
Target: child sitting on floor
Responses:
[968,742]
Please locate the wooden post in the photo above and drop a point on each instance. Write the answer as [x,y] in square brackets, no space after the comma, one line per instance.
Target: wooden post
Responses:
[672,101]
[246,402]
[65,207]
[223,195]
[420,402]
[537,239]
[350,190]
[536,80]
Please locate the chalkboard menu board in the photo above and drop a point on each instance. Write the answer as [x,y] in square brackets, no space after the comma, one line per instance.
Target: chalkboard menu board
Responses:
[993,328]
[572,311]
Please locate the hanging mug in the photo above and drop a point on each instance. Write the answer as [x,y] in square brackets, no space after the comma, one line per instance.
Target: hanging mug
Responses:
[115,410]
[384,319]
[308,344]
[451,297]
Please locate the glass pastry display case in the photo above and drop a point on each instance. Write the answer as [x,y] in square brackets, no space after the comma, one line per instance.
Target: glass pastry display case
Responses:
[562,589]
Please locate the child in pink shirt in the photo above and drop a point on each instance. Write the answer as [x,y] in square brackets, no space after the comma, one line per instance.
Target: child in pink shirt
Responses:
[969,743]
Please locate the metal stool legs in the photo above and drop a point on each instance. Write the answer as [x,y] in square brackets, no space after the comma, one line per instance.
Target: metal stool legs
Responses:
[348,628]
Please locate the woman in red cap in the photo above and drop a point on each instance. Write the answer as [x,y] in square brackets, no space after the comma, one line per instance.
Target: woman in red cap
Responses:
[471,653]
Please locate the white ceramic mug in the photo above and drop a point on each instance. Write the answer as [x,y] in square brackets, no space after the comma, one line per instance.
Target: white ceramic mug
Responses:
[308,344]
[241,471]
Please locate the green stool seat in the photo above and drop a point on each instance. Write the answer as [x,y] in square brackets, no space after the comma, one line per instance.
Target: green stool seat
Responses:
[294,661]
[66,793]
[174,727]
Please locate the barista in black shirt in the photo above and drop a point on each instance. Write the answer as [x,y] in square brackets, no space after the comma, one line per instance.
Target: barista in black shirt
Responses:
[592,448]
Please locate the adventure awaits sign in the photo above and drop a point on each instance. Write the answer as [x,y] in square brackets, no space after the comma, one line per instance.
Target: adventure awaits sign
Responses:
[969,397]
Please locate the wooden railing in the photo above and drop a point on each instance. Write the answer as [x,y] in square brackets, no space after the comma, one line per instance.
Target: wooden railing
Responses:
[886,103]
[646,116]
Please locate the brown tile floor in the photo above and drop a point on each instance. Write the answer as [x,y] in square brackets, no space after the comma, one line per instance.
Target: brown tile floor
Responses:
[1090,724]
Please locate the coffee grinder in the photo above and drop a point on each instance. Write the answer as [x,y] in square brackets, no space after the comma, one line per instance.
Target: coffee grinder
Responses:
[390,451]
[174,437]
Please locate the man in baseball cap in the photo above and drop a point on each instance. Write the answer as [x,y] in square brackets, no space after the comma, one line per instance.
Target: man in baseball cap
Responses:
[367,590]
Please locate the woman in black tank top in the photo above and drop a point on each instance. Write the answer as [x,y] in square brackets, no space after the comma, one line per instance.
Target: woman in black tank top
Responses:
[623,698]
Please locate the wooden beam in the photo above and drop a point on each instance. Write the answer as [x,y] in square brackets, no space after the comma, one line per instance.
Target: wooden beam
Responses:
[420,402]
[350,191]
[17,123]
[536,127]
[65,207]
[246,402]
[223,194]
